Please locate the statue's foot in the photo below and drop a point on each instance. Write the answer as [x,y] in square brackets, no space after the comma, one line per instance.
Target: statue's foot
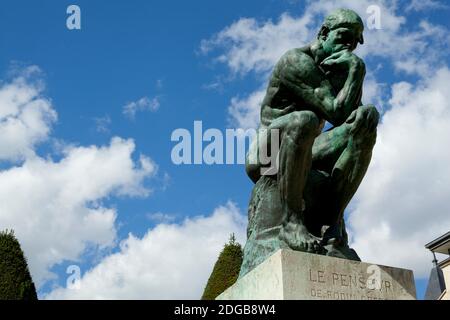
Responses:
[336,245]
[298,238]
[339,249]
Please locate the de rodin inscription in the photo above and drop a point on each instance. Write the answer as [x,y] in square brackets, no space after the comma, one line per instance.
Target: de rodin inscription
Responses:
[293,275]
[333,283]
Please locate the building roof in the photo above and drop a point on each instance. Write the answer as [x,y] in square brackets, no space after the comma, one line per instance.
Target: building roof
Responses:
[436,284]
[444,263]
[440,245]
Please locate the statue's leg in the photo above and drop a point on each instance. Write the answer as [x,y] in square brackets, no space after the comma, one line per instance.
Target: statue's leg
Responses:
[297,133]
[345,152]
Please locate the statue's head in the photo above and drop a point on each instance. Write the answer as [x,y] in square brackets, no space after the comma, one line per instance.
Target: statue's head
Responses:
[342,29]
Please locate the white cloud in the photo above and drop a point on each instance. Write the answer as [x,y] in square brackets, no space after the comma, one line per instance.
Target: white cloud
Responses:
[160,217]
[254,46]
[159,84]
[172,261]
[419,5]
[421,52]
[56,208]
[245,113]
[143,104]
[102,124]
[402,203]
[26,115]
[375,92]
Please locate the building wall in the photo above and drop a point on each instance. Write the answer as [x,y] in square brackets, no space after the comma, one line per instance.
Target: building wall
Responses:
[446,272]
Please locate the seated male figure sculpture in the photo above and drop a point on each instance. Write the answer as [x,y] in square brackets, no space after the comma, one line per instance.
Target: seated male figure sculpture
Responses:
[317,172]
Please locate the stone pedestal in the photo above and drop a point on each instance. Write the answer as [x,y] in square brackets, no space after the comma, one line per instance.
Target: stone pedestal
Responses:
[293,275]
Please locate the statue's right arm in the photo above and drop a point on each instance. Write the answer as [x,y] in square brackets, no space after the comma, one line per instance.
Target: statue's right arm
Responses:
[299,73]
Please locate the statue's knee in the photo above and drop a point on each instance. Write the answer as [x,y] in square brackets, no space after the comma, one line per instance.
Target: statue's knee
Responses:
[366,138]
[369,118]
[370,138]
[372,116]
[303,124]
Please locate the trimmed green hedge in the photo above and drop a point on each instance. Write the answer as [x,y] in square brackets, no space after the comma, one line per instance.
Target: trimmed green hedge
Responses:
[226,270]
[15,278]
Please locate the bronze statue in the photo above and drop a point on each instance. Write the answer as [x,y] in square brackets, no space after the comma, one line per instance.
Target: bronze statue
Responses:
[302,205]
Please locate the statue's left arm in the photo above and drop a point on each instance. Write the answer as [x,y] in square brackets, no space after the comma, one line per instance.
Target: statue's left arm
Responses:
[349,96]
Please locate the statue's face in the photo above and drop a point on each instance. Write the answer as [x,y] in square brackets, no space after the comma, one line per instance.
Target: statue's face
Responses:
[339,39]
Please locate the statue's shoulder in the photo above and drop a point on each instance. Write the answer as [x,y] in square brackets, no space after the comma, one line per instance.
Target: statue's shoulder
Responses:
[296,58]
[297,63]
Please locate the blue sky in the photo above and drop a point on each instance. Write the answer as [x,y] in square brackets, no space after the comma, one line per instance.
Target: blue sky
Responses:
[168,54]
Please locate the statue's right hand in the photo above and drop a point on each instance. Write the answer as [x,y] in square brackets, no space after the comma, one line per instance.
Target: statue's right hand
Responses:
[346,58]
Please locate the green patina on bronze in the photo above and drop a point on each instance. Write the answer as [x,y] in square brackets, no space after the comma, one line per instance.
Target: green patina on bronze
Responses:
[301,207]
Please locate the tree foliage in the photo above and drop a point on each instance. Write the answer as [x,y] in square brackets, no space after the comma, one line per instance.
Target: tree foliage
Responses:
[225,271]
[15,279]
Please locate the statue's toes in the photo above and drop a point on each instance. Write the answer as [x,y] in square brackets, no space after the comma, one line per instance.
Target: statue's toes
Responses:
[317,248]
